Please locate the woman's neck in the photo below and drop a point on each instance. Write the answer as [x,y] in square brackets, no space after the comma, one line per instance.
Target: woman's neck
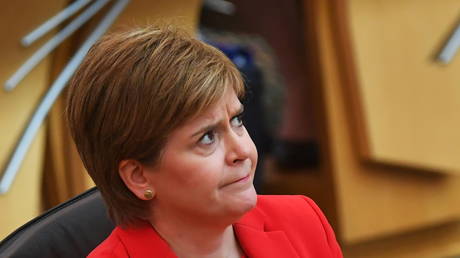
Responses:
[197,238]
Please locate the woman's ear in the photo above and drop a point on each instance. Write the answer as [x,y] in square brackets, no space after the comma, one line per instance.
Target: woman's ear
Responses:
[135,177]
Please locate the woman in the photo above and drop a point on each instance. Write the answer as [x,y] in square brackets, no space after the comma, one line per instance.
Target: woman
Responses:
[156,118]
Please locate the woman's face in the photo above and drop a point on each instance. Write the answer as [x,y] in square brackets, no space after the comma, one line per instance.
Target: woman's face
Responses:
[207,167]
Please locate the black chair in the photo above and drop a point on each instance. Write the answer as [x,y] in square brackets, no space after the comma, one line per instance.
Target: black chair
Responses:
[71,229]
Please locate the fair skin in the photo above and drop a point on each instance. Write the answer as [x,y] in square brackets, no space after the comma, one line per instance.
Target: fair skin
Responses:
[202,183]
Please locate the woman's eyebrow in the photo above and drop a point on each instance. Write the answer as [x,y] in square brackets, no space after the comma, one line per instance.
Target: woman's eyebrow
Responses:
[215,124]
[238,111]
[206,128]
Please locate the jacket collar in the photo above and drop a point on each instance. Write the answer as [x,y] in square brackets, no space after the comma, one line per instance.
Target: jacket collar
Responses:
[257,241]
[142,240]
[250,230]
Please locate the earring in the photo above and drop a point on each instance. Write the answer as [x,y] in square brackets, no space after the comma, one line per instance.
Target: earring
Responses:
[148,194]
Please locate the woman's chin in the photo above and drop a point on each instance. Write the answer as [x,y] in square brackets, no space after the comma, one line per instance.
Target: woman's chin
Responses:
[244,201]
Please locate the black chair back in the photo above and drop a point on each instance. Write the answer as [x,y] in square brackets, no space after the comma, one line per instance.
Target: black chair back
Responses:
[71,229]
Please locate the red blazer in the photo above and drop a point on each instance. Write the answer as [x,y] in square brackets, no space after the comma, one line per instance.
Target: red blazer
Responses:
[278,227]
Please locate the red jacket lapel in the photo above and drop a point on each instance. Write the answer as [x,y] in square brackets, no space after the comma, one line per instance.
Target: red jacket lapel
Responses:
[144,240]
[256,242]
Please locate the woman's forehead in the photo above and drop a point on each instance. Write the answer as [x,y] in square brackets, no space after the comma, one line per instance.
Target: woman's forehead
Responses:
[228,103]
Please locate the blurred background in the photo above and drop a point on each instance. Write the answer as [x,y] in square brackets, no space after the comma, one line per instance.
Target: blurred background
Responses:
[354,103]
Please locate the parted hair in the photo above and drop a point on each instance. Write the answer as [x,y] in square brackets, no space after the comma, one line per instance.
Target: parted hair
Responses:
[132,90]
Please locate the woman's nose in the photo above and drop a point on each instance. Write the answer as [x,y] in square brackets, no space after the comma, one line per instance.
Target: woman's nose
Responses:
[238,148]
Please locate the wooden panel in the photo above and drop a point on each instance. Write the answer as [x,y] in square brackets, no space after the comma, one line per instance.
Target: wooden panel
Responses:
[410,102]
[23,201]
[372,201]
[432,242]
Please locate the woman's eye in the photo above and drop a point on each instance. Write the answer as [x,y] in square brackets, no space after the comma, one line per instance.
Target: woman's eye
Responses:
[208,138]
[237,121]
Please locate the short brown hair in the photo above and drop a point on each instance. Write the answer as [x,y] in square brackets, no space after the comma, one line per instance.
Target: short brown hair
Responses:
[131,91]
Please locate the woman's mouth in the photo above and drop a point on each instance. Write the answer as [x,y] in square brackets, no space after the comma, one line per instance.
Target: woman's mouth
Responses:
[243,179]
[240,180]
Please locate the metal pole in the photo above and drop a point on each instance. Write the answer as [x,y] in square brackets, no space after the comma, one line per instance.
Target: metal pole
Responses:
[53,22]
[53,93]
[52,44]
[451,47]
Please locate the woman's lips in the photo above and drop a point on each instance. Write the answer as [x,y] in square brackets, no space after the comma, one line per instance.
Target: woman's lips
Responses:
[239,180]
[243,179]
